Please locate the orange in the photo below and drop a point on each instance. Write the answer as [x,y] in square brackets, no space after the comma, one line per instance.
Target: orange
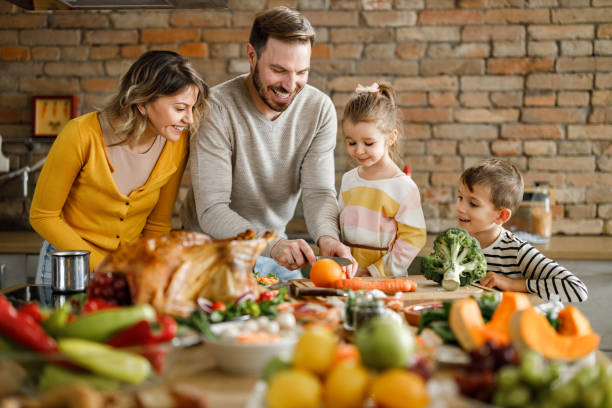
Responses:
[325,271]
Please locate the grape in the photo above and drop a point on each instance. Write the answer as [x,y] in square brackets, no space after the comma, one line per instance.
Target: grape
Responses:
[109,287]
[517,396]
[565,394]
[508,376]
[593,398]
[532,368]
[586,376]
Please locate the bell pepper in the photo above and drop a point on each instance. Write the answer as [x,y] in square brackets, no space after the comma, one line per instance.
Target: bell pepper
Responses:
[101,325]
[33,310]
[55,376]
[23,329]
[95,304]
[163,329]
[105,360]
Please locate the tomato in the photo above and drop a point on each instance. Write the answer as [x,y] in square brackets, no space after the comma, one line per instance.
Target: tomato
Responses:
[269,295]
[218,305]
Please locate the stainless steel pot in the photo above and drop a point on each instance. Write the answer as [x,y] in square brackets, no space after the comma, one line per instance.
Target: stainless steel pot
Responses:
[69,271]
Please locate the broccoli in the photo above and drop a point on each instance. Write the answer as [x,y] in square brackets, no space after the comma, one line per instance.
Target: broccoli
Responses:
[456,260]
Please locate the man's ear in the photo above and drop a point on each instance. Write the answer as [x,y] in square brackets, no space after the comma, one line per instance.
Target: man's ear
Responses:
[251,55]
[503,216]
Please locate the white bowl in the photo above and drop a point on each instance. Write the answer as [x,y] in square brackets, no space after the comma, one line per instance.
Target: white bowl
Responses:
[248,359]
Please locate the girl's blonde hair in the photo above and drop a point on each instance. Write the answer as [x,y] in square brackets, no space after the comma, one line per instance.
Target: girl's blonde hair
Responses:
[153,75]
[375,104]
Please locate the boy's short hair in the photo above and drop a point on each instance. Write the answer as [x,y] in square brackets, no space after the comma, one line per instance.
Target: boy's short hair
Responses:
[503,179]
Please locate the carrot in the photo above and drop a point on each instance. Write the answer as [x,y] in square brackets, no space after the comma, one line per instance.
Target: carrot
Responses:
[387,286]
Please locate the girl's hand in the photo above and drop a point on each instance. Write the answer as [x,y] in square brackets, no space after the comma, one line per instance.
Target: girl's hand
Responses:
[362,272]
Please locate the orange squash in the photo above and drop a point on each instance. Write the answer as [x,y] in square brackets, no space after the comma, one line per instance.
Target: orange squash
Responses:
[530,329]
[468,326]
[573,322]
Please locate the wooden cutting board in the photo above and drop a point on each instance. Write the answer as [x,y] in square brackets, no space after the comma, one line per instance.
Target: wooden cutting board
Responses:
[427,290]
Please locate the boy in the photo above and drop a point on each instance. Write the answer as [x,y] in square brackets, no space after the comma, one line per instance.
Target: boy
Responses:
[488,194]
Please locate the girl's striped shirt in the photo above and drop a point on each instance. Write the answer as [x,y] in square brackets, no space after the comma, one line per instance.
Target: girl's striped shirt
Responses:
[382,221]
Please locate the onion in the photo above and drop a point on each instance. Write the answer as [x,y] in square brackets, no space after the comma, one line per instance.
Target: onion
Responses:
[245,296]
[205,305]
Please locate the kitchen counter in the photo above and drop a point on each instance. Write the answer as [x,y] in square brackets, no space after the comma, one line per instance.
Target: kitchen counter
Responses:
[560,247]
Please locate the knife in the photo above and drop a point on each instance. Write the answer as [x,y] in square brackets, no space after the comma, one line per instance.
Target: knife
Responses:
[297,291]
[339,260]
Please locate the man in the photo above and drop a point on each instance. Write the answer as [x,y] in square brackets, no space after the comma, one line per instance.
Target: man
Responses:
[268,138]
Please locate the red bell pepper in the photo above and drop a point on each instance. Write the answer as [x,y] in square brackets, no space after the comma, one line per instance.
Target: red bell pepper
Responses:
[33,310]
[145,332]
[95,304]
[23,329]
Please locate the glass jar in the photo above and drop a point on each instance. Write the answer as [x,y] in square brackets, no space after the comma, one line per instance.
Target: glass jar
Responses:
[365,307]
[540,213]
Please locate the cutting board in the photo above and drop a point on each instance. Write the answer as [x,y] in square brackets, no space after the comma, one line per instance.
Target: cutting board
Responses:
[427,290]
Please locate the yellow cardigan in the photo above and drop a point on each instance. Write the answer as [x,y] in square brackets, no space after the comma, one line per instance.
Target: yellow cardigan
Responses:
[76,204]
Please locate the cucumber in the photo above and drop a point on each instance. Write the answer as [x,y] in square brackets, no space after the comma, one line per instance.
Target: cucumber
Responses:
[100,326]
[105,360]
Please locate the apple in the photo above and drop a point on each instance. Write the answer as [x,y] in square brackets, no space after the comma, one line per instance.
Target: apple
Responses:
[385,343]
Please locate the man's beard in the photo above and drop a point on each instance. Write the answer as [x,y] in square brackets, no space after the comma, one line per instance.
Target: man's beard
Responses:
[259,87]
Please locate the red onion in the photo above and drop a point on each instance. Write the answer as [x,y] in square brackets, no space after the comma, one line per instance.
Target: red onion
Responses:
[205,305]
[248,295]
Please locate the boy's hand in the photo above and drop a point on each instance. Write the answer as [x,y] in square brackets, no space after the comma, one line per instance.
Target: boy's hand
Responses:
[499,281]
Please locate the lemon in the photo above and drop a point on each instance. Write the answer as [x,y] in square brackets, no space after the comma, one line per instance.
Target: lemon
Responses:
[315,350]
[346,386]
[294,389]
[397,388]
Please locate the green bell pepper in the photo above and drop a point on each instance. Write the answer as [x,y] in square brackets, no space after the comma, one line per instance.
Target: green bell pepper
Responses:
[54,376]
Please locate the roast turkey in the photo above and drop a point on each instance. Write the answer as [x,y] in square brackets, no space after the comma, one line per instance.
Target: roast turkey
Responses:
[171,272]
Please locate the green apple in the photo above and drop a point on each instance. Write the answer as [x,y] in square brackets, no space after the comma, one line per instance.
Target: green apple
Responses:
[385,343]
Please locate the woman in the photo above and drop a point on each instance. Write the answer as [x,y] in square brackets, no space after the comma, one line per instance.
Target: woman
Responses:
[113,175]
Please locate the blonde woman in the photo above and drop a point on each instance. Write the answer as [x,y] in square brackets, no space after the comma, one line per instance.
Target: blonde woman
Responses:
[113,175]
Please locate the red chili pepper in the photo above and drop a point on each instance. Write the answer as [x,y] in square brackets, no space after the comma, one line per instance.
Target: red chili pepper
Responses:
[95,304]
[33,310]
[145,332]
[23,329]
[218,305]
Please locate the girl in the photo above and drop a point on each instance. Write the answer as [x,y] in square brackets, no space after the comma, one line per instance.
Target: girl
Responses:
[113,175]
[380,207]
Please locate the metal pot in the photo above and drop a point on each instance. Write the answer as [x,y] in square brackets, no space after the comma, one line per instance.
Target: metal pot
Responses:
[69,271]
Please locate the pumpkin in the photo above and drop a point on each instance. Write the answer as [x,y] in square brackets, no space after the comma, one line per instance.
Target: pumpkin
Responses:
[573,322]
[468,326]
[530,329]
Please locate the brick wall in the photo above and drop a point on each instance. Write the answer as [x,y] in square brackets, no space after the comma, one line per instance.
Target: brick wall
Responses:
[527,80]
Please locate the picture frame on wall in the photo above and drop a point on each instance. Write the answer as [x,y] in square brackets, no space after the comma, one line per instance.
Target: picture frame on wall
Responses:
[51,113]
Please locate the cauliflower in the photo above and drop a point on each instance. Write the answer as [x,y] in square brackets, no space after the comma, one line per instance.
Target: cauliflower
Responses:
[456,260]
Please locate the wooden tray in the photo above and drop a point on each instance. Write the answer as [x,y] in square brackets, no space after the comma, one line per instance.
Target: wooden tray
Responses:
[427,290]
